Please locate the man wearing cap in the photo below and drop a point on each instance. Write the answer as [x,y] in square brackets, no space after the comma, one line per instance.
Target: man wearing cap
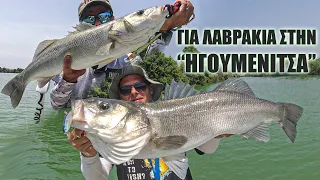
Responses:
[77,82]
[133,84]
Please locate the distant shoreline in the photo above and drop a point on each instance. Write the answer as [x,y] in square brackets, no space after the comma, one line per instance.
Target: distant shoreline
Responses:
[8,70]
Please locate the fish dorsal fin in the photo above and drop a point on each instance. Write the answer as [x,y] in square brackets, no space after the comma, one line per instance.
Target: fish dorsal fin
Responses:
[260,133]
[235,85]
[43,46]
[83,26]
[179,90]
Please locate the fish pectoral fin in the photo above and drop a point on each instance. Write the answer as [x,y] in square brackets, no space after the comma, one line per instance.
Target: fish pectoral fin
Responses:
[104,50]
[235,85]
[260,133]
[178,163]
[120,152]
[169,142]
[43,84]
[43,46]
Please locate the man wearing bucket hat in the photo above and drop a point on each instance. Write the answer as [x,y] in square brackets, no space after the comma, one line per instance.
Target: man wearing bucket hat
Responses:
[78,82]
[136,75]
[133,84]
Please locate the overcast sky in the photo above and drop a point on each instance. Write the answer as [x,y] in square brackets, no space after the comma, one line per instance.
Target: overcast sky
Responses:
[25,23]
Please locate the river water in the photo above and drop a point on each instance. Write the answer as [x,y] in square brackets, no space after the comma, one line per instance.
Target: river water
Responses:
[42,151]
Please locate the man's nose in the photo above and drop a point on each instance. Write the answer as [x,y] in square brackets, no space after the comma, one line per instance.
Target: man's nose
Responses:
[134,91]
[97,22]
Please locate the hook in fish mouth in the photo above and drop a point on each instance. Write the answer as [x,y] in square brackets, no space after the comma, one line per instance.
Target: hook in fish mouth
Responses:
[172,8]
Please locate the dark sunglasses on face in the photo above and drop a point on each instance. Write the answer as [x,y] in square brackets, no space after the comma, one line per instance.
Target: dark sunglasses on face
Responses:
[102,17]
[139,86]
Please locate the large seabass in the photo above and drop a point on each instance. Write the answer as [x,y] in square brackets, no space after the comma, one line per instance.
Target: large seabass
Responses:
[89,46]
[122,130]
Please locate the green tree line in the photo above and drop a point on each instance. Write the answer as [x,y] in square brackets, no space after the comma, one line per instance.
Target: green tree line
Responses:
[163,69]
[314,67]
[7,70]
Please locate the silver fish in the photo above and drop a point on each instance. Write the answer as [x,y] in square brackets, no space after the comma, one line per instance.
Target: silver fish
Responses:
[89,46]
[121,130]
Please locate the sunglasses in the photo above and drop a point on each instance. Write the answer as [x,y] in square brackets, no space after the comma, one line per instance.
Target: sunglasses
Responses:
[103,18]
[139,86]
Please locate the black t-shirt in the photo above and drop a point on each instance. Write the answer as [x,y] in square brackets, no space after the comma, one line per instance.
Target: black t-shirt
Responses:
[139,169]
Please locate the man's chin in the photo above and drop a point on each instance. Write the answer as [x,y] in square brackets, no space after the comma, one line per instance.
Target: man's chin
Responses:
[138,100]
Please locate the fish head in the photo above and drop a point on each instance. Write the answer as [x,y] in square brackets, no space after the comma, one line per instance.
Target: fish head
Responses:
[153,17]
[114,120]
[102,113]
[138,27]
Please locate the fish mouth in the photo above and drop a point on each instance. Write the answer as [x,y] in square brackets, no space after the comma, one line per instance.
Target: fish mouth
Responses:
[78,110]
[158,12]
[83,110]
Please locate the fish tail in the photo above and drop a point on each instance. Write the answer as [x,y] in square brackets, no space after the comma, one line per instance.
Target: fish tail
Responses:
[14,88]
[291,115]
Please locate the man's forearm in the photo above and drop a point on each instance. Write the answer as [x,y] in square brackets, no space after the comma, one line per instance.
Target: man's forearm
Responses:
[95,168]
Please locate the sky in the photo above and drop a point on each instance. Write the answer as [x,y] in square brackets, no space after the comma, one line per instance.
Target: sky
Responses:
[24,24]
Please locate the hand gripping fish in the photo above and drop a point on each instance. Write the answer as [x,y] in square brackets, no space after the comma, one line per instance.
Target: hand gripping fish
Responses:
[89,46]
[185,119]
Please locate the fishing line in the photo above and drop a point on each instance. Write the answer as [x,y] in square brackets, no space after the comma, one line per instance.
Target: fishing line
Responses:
[38,114]
[25,118]
[42,91]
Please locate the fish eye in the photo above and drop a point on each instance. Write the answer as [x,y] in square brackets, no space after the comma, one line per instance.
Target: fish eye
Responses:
[140,12]
[104,105]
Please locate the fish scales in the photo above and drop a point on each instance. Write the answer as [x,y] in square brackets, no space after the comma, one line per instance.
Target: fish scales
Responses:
[122,130]
[210,113]
[89,46]
[76,45]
